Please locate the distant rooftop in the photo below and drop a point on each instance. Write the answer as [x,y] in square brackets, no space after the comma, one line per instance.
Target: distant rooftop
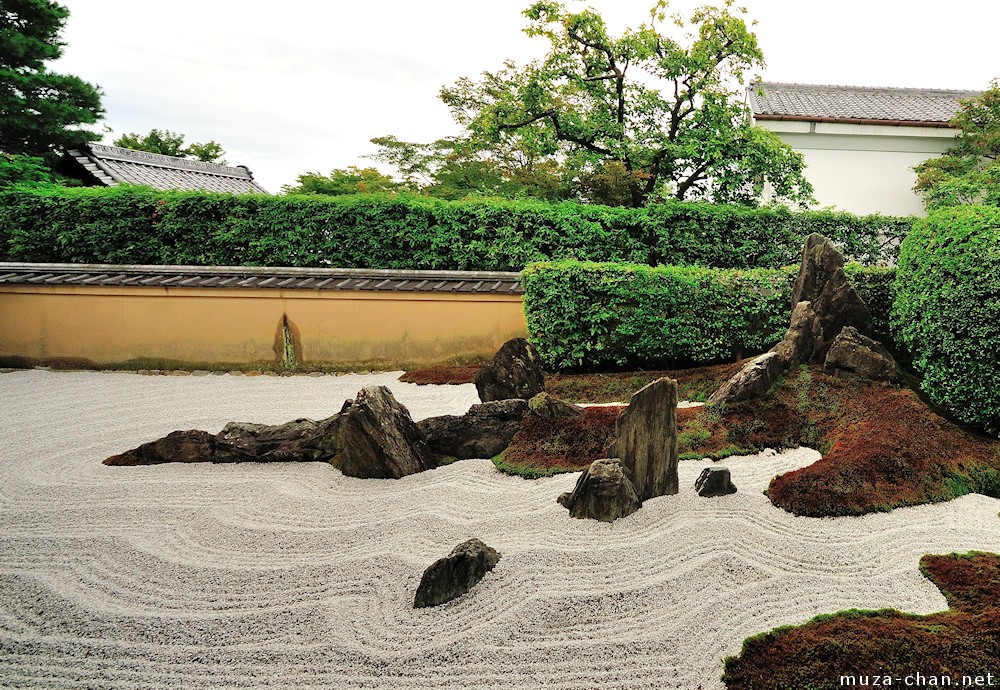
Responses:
[105,165]
[855,104]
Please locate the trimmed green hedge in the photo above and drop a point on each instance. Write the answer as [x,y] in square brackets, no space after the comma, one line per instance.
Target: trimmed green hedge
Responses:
[601,315]
[137,225]
[947,310]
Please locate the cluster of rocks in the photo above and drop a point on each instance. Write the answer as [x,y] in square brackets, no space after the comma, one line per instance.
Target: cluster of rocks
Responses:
[374,436]
[830,325]
[643,463]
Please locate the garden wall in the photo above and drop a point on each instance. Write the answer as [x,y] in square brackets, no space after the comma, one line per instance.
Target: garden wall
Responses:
[179,317]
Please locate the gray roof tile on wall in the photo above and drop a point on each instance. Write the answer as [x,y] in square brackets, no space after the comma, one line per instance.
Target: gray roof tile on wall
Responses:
[111,165]
[252,277]
[772,100]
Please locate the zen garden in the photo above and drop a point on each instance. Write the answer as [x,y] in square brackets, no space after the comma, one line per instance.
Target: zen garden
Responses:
[717,440]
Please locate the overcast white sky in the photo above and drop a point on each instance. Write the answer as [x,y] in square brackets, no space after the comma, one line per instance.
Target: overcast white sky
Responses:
[303,85]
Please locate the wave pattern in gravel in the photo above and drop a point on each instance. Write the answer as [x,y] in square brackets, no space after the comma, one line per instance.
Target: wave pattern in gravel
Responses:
[291,575]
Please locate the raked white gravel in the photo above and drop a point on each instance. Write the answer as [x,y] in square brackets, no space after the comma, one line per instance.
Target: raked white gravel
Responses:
[294,576]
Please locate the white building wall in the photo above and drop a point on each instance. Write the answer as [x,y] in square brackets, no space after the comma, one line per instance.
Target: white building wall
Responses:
[863,168]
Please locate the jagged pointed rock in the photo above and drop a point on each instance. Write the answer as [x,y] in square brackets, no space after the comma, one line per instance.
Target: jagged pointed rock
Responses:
[853,353]
[381,440]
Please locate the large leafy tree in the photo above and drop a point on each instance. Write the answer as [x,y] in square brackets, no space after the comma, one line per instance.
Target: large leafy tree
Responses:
[40,111]
[654,115]
[171,144]
[969,171]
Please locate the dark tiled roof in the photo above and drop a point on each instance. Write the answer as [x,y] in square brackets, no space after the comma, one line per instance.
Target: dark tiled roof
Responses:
[111,165]
[928,107]
[253,277]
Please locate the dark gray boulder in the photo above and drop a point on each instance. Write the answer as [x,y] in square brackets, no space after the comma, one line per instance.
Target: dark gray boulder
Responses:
[380,439]
[853,353]
[515,372]
[603,492]
[177,446]
[549,407]
[752,381]
[823,283]
[482,432]
[647,439]
[714,481]
[455,574]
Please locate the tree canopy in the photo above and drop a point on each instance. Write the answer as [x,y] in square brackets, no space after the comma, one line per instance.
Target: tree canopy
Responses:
[40,111]
[341,182]
[629,119]
[171,144]
[969,171]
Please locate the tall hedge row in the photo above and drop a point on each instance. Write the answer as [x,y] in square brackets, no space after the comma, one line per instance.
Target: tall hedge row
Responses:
[135,225]
[947,310]
[600,315]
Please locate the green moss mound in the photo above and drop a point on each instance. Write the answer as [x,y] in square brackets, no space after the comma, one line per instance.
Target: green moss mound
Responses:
[961,642]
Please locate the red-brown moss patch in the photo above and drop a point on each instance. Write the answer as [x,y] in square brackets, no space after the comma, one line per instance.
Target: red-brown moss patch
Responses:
[543,447]
[963,641]
[692,384]
[883,447]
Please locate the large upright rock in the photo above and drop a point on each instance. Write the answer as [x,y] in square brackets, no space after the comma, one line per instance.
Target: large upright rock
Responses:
[823,283]
[482,432]
[452,576]
[647,439]
[603,492]
[515,372]
[853,353]
[380,439]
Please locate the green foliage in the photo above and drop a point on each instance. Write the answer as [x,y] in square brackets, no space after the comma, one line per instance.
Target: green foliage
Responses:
[947,310]
[969,171]
[462,168]
[24,170]
[341,182]
[145,226]
[601,315]
[169,143]
[663,113]
[876,285]
[40,111]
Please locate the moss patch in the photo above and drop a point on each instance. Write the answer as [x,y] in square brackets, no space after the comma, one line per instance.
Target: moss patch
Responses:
[883,447]
[543,447]
[964,640]
[692,384]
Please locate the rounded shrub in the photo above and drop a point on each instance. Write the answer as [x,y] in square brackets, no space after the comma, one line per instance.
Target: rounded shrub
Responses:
[947,310]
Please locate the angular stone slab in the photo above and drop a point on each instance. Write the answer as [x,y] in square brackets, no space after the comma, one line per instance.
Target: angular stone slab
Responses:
[752,381]
[380,439]
[177,446]
[647,439]
[482,432]
[603,492]
[804,339]
[452,576]
[853,353]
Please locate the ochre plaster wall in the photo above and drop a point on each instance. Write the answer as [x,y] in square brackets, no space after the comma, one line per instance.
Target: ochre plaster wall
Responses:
[109,325]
